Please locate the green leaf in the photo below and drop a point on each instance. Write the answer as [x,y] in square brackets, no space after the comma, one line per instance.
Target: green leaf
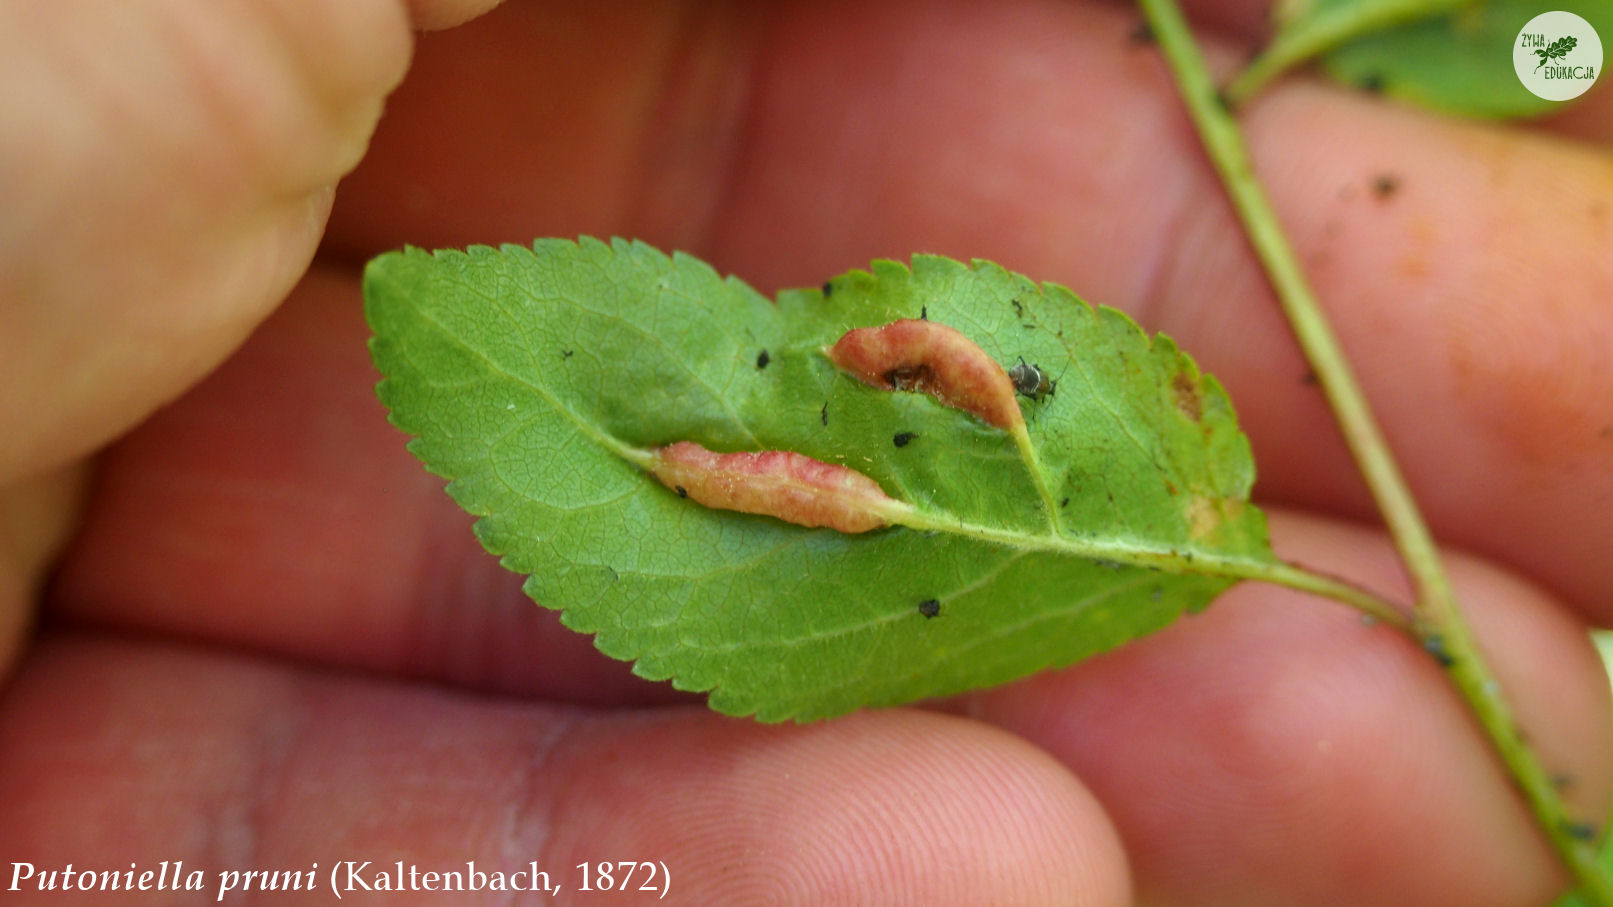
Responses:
[537,380]
[1461,62]
[1305,28]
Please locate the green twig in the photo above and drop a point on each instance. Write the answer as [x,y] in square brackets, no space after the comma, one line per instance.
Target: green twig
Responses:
[1324,31]
[1439,622]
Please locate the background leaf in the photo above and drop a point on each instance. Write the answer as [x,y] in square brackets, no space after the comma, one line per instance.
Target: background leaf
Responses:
[526,374]
[1460,62]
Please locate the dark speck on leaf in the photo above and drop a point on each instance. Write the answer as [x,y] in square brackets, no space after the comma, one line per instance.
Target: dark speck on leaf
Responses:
[828,289]
[929,607]
[1019,308]
[1064,503]
[682,492]
[1385,185]
[902,438]
[565,354]
[1157,594]
[924,313]
[1141,34]
[762,359]
[1372,82]
[824,414]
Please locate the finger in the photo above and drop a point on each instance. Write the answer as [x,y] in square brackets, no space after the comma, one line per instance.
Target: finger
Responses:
[174,182]
[795,147]
[1274,750]
[290,519]
[114,753]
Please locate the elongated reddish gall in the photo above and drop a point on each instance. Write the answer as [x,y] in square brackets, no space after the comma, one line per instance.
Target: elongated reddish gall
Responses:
[917,355]
[777,483]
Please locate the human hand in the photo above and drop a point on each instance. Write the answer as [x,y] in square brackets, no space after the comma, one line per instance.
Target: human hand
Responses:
[272,639]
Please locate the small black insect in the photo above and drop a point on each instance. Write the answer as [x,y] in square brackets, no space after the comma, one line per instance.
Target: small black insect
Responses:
[924,313]
[682,492]
[828,289]
[1064,503]
[1583,831]
[903,437]
[762,359]
[565,354]
[1019,308]
[929,608]
[1434,644]
[824,414]
[1030,381]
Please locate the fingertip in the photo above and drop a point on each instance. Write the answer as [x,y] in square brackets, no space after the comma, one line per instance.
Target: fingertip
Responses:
[905,807]
[117,751]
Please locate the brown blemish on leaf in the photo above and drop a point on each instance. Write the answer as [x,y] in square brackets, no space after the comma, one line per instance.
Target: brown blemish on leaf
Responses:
[932,358]
[1188,399]
[777,483]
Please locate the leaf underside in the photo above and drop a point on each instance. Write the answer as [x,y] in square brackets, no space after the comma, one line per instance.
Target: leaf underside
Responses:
[525,373]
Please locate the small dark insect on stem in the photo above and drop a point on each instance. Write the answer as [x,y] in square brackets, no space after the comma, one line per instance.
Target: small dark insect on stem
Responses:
[1434,644]
[1583,831]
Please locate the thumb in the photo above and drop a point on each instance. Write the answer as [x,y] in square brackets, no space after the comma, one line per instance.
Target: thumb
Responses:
[167,169]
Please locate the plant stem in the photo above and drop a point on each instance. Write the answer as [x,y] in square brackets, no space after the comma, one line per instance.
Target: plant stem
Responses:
[1438,622]
[1324,31]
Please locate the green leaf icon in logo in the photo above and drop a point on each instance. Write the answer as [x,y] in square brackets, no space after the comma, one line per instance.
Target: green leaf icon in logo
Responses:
[1556,50]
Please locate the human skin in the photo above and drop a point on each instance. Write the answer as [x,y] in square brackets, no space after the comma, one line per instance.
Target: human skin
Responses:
[243,628]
